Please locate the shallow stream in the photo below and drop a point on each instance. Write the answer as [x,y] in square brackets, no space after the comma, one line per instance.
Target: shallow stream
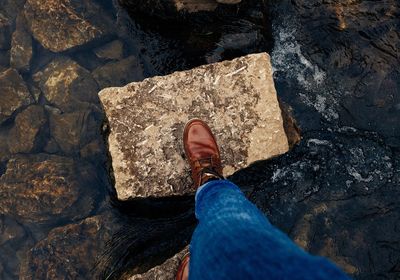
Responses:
[336,64]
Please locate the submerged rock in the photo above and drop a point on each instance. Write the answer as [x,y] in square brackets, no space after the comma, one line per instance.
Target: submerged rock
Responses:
[237,98]
[12,8]
[44,188]
[69,252]
[68,86]
[72,131]
[60,25]
[120,73]
[25,136]
[21,46]
[112,50]
[5,32]
[169,9]
[10,230]
[14,94]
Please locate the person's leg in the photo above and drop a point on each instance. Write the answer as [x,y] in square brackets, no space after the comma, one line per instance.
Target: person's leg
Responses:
[234,240]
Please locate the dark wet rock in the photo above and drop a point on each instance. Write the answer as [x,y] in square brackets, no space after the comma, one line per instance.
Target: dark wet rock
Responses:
[4,152]
[27,133]
[21,46]
[355,47]
[93,149]
[46,188]
[5,32]
[4,59]
[170,9]
[69,252]
[10,230]
[334,194]
[119,73]
[290,125]
[113,50]
[14,94]
[12,8]
[36,92]
[72,131]
[67,85]
[60,25]
[243,42]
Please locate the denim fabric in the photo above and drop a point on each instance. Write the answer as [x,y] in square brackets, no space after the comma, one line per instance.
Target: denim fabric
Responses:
[234,240]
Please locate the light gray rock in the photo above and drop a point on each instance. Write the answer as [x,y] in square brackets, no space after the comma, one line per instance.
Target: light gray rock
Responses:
[21,46]
[60,25]
[119,73]
[112,50]
[13,93]
[236,98]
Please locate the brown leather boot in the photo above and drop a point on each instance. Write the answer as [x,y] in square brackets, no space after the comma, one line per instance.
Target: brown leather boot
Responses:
[202,152]
[183,269]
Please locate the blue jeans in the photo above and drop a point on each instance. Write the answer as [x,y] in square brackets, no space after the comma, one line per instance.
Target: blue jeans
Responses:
[234,240]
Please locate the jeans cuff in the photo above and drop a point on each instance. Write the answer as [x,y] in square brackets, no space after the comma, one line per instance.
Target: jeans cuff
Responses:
[212,185]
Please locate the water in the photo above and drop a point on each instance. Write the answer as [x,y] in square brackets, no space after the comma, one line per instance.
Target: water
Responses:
[335,63]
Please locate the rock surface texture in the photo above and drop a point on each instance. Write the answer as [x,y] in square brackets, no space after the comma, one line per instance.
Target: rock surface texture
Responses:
[60,25]
[44,188]
[236,98]
[61,243]
[21,46]
[67,85]
[14,93]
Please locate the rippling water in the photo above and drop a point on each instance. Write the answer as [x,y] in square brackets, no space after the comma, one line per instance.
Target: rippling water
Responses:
[336,63]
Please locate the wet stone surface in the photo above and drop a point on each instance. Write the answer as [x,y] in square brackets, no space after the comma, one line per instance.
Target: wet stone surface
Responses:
[28,133]
[60,25]
[147,121]
[113,50]
[335,196]
[21,46]
[119,73]
[74,243]
[14,93]
[57,189]
[67,85]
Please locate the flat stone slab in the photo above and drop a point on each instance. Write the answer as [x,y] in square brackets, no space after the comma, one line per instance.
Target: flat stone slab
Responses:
[236,98]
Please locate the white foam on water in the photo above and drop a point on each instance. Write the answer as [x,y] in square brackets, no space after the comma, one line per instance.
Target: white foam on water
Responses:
[288,58]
